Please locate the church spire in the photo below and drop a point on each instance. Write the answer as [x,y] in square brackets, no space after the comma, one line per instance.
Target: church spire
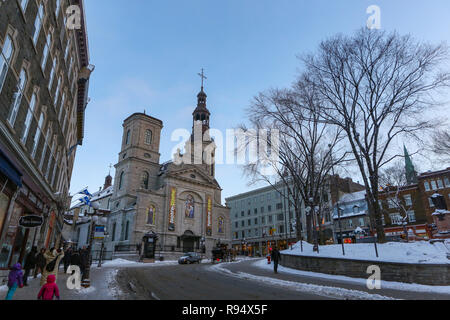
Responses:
[201,113]
[411,175]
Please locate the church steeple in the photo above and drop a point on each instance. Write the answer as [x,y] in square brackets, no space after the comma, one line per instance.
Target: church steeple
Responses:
[201,113]
[411,175]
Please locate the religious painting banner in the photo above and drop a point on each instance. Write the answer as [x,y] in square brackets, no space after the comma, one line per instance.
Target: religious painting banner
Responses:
[209,217]
[172,212]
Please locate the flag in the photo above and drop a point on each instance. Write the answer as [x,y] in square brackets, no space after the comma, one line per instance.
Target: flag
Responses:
[86,201]
[85,192]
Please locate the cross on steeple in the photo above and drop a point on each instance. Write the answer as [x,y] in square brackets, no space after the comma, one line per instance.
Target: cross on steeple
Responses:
[110,166]
[202,75]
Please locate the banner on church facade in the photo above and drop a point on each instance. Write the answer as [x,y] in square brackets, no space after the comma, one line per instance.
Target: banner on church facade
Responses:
[209,218]
[172,213]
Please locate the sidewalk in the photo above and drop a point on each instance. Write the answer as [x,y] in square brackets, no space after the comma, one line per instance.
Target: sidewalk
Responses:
[102,287]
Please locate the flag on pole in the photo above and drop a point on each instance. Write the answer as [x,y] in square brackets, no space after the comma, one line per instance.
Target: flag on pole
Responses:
[86,200]
[85,192]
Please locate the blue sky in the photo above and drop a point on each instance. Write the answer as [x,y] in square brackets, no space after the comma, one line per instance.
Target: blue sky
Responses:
[147,55]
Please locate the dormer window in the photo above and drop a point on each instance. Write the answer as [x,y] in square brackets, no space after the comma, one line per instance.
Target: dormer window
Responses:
[148,137]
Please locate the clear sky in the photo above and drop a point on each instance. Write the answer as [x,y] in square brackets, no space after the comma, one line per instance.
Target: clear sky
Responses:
[147,55]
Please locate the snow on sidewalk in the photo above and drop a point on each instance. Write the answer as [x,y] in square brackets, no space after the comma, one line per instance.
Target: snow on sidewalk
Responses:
[412,252]
[384,284]
[325,291]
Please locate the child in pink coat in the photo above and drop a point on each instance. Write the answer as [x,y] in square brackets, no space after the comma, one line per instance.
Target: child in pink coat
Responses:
[49,290]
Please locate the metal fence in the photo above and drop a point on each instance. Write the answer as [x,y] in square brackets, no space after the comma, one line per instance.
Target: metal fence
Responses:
[107,255]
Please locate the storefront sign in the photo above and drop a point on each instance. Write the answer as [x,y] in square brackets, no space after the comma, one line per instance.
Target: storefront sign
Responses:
[172,212]
[31,221]
[209,218]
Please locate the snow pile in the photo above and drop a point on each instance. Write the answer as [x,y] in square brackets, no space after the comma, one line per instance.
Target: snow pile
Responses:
[412,252]
[128,263]
[324,291]
[384,284]
[3,288]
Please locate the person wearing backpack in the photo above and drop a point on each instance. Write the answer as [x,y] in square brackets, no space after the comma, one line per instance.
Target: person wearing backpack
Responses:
[49,290]
[14,280]
[53,258]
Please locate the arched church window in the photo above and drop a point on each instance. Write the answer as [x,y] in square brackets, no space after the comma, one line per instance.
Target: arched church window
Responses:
[148,137]
[220,225]
[197,117]
[203,117]
[127,141]
[127,227]
[151,215]
[121,180]
[189,210]
[144,182]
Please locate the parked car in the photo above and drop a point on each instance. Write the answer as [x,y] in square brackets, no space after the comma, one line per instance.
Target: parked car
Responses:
[190,257]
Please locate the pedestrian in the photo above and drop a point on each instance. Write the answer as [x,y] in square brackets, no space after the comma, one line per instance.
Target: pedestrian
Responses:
[40,263]
[14,280]
[49,290]
[30,263]
[67,258]
[75,258]
[84,260]
[52,258]
[276,257]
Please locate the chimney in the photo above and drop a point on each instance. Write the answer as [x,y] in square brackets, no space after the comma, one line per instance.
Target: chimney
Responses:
[108,182]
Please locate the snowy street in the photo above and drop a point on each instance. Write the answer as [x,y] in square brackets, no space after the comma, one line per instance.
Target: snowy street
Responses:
[246,279]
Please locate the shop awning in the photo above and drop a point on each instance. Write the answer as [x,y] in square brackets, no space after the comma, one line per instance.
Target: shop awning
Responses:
[8,169]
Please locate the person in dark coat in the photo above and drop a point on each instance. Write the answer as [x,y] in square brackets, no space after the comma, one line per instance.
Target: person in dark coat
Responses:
[75,258]
[67,259]
[40,262]
[276,257]
[30,263]
[84,260]
[14,280]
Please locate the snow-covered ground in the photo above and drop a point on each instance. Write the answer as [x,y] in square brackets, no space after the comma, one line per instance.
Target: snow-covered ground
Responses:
[384,284]
[412,252]
[128,263]
[326,291]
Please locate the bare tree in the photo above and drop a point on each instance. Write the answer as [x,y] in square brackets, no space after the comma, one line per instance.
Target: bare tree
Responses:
[307,149]
[441,143]
[376,87]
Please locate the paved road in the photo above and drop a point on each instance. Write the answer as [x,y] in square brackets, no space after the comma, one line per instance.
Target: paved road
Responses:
[242,281]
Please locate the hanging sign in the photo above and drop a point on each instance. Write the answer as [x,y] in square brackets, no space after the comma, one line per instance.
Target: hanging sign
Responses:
[31,221]
[209,217]
[172,212]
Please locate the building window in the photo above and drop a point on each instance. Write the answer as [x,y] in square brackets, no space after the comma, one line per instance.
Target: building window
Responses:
[242,223]
[127,230]
[127,141]
[361,222]
[269,208]
[52,74]
[45,52]
[38,22]
[256,221]
[5,59]
[242,213]
[121,180]
[270,219]
[279,206]
[17,97]
[440,184]
[144,183]
[263,220]
[113,237]
[220,225]
[427,186]
[350,223]
[24,4]
[28,119]
[256,211]
[280,217]
[58,6]
[37,136]
[396,218]
[408,200]
[236,225]
[148,137]
[262,209]
[411,216]
[447,182]
[249,222]
[431,203]
[433,185]
[391,203]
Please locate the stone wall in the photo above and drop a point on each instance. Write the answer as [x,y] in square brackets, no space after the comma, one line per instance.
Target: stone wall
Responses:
[427,274]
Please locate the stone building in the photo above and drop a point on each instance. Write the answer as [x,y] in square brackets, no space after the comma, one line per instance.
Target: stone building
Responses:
[44,80]
[178,201]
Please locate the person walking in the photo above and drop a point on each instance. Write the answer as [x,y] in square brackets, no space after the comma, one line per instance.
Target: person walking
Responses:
[53,258]
[67,259]
[30,263]
[276,257]
[49,290]
[40,263]
[84,261]
[14,280]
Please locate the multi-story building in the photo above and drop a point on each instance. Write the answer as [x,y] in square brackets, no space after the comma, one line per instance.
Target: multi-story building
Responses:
[261,219]
[353,220]
[78,220]
[44,79]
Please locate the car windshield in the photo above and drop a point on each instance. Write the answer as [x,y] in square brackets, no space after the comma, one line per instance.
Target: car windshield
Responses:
[191,254]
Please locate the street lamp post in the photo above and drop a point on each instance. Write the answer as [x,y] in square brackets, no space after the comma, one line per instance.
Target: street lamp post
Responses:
[340,228]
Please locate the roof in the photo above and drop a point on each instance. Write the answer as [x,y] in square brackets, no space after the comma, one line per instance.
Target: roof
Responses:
[355,196]
[96,196]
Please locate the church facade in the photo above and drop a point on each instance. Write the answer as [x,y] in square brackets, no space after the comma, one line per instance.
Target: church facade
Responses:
[176,203]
